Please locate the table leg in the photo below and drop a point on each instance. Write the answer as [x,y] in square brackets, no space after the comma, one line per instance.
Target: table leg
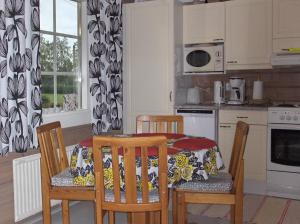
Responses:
[147,218]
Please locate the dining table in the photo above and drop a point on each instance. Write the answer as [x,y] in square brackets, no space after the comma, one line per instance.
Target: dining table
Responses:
[189,158]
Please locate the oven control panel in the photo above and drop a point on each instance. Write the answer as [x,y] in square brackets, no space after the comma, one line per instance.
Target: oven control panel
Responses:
[291,116]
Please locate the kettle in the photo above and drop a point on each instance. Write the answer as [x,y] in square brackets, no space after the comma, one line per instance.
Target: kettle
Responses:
[194,95]
[218,92]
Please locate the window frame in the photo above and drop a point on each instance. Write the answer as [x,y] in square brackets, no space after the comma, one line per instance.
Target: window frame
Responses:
[83,115]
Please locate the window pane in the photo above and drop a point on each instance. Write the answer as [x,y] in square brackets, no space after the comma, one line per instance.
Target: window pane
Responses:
[66,17]
[67,87]
[67,54]
[47,55]
[48,91]
[46,14]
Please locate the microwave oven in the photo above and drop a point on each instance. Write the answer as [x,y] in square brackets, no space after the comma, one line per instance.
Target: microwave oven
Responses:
[203,59]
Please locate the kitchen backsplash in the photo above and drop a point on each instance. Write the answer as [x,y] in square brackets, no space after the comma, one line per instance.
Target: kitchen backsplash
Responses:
[278,85]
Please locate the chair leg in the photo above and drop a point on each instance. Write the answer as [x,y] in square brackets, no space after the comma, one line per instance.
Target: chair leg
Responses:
[65,212]
[174,206]
[129,217]
[181,208]
[232,214]
[46,209]
[238,216]
[99,213]
[111,216]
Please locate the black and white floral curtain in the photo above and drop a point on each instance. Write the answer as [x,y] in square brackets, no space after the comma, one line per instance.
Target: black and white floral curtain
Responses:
[20,80]
[105,64]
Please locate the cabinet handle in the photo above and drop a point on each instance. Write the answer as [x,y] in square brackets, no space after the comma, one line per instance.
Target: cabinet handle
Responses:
[225,126]
[285,49]
[218,39]
[232,62]
[242,117]
[170,96]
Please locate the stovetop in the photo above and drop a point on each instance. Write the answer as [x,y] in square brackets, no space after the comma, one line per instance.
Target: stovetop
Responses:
[284,113]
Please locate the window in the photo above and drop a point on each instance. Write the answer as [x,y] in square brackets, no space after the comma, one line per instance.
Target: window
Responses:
[61,55]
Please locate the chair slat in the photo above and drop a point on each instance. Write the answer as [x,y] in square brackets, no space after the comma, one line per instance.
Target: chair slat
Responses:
[145,188]
[116,173]
[130,175]
[160,123]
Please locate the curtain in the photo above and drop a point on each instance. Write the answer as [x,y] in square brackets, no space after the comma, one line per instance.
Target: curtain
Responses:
[105,64]
[20,80]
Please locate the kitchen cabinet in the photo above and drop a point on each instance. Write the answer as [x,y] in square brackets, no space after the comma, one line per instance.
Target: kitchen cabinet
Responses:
[151,35]
[286,29]
[256,146]
[204,23]
[286,18]
[248,42]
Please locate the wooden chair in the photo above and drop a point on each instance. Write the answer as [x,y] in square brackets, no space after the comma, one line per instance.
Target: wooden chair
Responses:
[159,124]
[53,162]
[233,181]
[130,200]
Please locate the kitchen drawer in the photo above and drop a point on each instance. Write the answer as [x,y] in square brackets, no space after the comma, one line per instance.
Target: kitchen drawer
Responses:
[250,117]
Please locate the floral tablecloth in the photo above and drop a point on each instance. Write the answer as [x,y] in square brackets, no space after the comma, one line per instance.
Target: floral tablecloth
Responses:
[189,158]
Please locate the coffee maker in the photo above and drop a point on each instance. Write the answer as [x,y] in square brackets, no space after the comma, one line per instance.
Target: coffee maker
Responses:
[237,90]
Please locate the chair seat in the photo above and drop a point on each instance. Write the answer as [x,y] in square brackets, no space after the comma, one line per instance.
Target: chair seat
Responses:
[153,196]
[219,183]
[63,179]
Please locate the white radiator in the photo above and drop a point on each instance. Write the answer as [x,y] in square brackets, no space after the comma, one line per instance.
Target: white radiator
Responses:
[27,185]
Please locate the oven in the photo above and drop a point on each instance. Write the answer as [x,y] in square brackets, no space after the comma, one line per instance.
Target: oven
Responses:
[283,152]
[284,148]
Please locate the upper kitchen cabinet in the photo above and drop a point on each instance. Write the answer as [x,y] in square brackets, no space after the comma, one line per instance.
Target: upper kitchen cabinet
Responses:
[286,18]
[286,28]
[204,23]
[150,40]
[248,42]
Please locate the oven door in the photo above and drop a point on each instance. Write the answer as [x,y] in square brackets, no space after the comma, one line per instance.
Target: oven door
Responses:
[199,59]
[284,148]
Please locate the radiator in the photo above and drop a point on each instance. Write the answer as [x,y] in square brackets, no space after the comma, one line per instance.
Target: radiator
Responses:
[27,185]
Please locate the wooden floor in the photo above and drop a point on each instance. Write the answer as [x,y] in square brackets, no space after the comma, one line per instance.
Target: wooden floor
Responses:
[258,209]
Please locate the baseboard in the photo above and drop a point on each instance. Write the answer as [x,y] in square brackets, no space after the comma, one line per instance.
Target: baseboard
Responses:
[255,187]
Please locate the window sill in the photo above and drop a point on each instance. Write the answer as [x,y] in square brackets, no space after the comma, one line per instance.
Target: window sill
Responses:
[70,118]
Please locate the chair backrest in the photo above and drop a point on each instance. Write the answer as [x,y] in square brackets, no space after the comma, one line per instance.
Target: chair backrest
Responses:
[129,148]
[159,124]
[53,152]
[238,149]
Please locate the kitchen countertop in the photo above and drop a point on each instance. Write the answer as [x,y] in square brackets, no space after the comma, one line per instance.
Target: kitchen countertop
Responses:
[212,106]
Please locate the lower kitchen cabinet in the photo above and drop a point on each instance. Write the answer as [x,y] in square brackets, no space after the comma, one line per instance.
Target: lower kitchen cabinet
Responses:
[256,147]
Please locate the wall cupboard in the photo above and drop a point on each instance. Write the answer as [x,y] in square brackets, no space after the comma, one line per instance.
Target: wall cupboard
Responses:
[204,23]
[248,42]
[286,29]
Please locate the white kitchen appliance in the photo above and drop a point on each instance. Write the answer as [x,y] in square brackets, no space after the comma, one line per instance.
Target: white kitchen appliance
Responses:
[194,95]
[287,59]
[218,92]
[283,151]
[199,122]
[203,58]
[237,90]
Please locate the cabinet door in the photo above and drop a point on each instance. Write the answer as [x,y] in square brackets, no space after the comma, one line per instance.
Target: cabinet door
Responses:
[248,34]
[255,151]
[204,23]
[226,137]
[147,86]
[286,18]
